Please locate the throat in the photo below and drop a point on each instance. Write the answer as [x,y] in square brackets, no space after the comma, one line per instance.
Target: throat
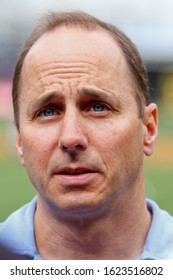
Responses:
[90,245]
[83,242]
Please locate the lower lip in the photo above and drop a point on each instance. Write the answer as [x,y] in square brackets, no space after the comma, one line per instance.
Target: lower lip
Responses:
[76,180]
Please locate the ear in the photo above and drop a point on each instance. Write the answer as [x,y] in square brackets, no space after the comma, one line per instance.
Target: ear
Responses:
[150,121]
[20,149]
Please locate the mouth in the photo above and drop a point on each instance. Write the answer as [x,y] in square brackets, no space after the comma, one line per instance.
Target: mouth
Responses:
[75,171]
[75,176]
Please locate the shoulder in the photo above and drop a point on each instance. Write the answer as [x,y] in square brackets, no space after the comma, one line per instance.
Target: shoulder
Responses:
[17,231]
[159,242]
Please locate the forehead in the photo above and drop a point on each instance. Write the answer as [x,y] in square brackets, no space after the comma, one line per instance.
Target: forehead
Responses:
[65,43]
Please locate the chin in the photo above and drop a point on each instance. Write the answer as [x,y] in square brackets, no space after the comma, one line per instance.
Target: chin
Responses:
[79,207]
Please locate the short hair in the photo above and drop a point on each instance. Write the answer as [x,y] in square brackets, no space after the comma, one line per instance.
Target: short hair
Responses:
[52,20]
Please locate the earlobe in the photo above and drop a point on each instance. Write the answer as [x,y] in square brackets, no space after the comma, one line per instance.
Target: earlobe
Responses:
[20,149]
[150,121]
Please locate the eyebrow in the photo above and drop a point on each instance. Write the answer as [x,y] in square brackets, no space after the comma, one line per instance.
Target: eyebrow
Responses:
[44,99]
[97,93]
[84,91]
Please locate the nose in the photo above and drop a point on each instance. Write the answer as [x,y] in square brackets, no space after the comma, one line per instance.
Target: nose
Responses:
[72,137]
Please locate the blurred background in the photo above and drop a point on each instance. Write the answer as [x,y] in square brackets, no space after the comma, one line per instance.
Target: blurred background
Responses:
[149,24]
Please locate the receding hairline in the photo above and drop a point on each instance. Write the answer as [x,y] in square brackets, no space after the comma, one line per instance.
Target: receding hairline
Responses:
[98,30]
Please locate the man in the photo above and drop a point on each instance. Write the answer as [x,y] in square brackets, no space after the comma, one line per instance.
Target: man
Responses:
[84,122]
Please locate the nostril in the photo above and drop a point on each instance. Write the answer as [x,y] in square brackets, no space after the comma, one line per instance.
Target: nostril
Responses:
[73,147]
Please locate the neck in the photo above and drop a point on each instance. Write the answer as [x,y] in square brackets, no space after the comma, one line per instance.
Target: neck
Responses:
[116,234]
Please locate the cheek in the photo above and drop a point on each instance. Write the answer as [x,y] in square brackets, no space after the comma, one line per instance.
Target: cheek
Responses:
[37,154]
[120,146]
[36,148]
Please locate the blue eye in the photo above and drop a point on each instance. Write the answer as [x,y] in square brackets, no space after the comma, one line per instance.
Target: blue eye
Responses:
[47,112]
[99,107]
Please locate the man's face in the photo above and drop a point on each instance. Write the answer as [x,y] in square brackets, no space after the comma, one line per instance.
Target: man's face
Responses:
[80,137]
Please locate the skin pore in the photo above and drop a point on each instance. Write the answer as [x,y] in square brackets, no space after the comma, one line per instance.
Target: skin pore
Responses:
[82,143]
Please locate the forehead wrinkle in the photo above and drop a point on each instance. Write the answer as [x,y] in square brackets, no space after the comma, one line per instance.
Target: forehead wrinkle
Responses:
[74,67]
[64,71]
[67,61]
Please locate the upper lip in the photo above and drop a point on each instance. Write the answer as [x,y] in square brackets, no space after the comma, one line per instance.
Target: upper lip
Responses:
[77,170]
